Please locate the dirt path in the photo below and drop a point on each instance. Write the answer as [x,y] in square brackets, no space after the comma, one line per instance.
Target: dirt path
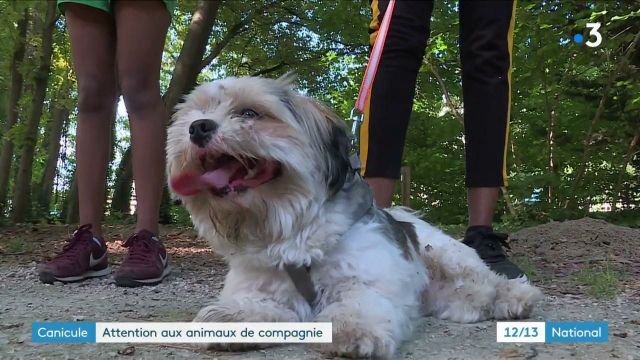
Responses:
[198,278]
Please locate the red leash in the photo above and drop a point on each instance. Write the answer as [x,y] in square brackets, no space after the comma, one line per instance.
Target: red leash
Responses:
[367,83]
[374,59]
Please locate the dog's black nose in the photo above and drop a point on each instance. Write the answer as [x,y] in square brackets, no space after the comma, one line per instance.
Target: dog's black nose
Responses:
[201,131]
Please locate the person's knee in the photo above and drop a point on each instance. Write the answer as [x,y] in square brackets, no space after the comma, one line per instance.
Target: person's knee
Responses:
[140,93]
[96,96]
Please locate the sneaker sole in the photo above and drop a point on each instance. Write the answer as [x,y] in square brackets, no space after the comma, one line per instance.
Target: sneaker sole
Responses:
[522,279]
[49,278]
[131,282]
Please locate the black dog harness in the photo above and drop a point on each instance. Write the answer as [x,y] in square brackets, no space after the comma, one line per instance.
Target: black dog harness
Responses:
[301,275]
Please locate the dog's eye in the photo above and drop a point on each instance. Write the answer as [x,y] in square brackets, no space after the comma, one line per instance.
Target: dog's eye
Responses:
[248,113]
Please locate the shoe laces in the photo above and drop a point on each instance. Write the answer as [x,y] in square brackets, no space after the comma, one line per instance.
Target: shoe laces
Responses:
[76,243]
[140,249]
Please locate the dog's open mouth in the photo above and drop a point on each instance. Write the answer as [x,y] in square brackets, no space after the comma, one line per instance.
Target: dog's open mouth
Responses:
[225,175]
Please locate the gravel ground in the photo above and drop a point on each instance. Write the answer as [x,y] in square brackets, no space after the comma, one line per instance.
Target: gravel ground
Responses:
[197,278]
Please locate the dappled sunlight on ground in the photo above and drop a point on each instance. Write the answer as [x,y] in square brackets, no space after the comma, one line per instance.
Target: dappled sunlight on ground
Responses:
[552,252]
[28,243]
[116,248]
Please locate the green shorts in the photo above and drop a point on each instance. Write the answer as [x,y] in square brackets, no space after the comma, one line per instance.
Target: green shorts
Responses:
[107,5]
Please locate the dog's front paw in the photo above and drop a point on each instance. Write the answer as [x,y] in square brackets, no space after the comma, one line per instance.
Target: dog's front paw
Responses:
[352,340]
[218,313]
[515,300]
[234,311]
[235,347]
[221,313]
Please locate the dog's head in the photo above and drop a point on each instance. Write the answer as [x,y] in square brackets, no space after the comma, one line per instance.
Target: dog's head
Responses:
[253,146]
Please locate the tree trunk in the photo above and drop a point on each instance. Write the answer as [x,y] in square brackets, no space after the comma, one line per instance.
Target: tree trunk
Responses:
[120,202]
[450,104]
[166,217]
[189,61]
[15,91]
[405,183]
[507,201]
[185,73]
[582,167]
[112,154]
[627,159]
[41,76]
[233,31]
[551,120]
[71,206]
[596,118]
[59,117]
[514,154]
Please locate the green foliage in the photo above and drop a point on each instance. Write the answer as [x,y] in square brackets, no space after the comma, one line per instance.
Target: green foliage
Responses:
[565,157]
[119,218]
[19,246]
[552,78]
[533,274]
[629,218]
[180,216]
[602,282]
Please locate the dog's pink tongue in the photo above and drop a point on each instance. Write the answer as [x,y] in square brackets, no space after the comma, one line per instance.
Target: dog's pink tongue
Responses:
[190,183]
[219,178]
[187,184]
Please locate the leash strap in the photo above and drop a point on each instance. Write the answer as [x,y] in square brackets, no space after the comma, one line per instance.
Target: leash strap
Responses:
[357,116]
[374,59]
[356,121]
[302,281]
[300,275]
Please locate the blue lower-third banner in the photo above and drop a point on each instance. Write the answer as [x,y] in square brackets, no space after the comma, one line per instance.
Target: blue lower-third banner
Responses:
[577,331]
[553,331]
[180,332]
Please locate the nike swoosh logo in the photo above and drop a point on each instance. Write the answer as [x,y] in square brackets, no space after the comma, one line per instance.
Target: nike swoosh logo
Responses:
[93,261]
[163,260]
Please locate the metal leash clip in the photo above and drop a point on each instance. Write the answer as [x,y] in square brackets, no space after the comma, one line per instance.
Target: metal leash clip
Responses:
[356,120]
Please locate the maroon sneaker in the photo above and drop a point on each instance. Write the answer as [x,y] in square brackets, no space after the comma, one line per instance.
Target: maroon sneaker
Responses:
[84,256]
[146,263]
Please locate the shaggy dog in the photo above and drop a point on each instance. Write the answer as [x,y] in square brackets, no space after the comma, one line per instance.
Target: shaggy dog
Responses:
[265,174]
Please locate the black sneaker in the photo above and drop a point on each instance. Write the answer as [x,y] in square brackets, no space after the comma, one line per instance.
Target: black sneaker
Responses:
[488,245]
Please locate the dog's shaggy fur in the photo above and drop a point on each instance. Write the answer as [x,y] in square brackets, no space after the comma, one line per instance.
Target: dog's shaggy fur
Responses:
[273,187]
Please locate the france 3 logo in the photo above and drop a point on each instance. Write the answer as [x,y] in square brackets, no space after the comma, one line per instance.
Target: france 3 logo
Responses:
[595,38]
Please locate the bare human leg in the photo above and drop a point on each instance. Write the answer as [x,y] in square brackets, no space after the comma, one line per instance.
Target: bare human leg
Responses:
[93,46]
[93,39]
[142,27]
[382,190]
[482,205]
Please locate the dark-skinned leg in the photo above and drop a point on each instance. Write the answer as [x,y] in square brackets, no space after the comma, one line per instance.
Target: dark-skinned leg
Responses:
[482,205]
[486,40]
[387,113]
[382,190]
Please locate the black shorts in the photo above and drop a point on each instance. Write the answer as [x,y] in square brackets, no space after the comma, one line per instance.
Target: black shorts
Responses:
[486,40]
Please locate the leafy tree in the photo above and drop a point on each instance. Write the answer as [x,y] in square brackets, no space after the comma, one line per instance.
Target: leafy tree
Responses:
[575,110]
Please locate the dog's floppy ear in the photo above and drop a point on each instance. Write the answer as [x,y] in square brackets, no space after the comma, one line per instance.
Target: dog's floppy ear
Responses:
[328,132]
[339,167]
